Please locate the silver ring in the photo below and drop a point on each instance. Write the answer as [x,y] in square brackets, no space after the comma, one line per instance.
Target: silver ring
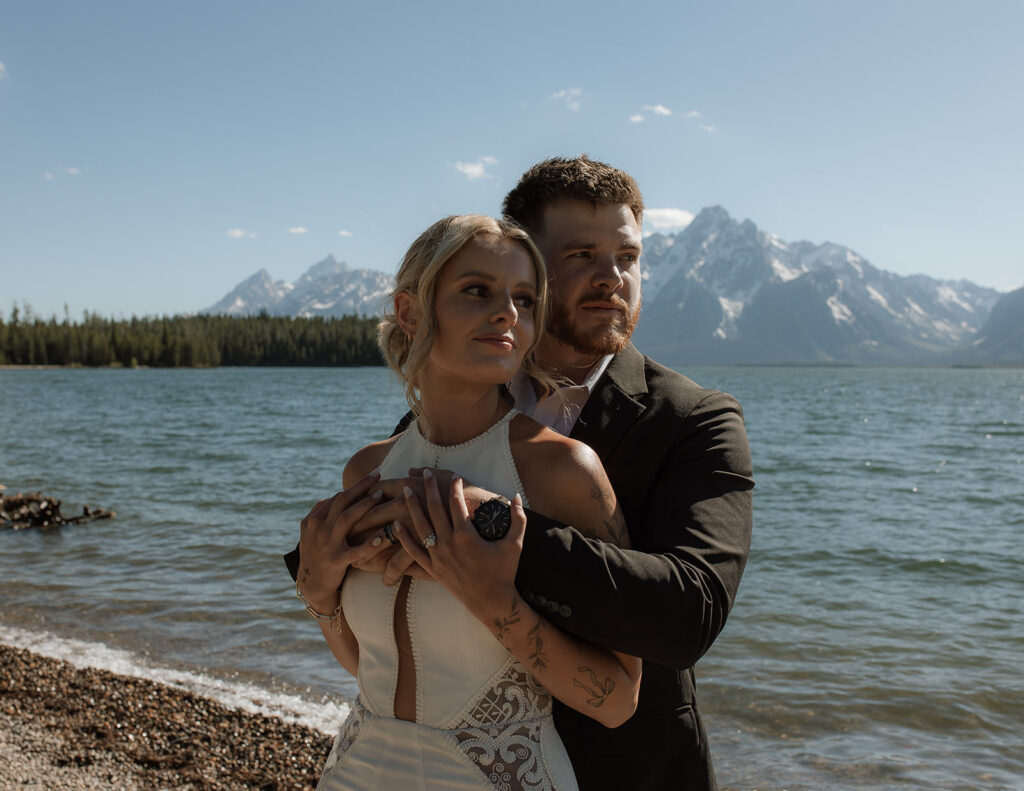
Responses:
[388,534]
[430,540]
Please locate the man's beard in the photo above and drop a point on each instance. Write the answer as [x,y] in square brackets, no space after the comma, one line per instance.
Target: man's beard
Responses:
[601,340]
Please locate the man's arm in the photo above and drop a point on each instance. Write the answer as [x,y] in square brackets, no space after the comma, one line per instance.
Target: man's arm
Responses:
[667,599]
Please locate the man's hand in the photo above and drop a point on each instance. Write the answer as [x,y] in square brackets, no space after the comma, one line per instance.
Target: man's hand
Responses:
[442,539]
[324,545]
[394,564]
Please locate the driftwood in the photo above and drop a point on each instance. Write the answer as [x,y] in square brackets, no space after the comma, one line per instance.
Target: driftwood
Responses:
[19,511]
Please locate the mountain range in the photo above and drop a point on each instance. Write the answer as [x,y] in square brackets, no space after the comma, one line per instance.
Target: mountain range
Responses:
[724,291]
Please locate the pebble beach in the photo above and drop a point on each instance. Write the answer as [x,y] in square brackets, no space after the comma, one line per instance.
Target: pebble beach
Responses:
[63,727]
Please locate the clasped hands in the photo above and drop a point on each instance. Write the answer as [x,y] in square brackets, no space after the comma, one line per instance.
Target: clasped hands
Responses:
[347,530]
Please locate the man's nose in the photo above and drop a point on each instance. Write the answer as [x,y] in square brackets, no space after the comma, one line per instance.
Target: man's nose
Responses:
[607,275]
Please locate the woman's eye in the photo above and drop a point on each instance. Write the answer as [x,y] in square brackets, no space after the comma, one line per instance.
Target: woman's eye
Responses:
[524,301]
[475,291]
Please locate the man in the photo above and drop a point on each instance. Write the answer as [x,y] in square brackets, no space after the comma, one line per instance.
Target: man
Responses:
[676,455]
[678,459]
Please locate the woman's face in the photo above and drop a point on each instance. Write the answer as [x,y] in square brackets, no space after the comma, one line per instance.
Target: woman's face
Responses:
[484,304]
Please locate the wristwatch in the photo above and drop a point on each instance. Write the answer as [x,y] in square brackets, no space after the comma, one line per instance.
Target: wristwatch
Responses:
[493,518]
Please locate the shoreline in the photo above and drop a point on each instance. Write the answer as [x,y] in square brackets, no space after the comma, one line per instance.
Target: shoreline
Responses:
[85,728]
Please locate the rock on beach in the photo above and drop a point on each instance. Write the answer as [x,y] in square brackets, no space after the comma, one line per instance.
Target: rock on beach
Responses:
[63,727]
[20,511]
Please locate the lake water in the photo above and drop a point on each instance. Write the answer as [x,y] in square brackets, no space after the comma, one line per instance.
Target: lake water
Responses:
[876,643]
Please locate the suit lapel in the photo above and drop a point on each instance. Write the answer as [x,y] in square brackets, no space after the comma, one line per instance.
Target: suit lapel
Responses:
[612,407]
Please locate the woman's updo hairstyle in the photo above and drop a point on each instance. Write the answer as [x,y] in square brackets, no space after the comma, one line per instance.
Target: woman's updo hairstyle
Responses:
[406,354]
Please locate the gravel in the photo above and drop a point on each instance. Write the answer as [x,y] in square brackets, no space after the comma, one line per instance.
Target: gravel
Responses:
[63,727]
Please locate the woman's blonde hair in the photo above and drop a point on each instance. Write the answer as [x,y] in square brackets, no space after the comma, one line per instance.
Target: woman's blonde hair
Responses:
[417,276]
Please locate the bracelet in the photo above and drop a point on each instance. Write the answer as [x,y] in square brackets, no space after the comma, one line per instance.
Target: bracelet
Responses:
[334,619]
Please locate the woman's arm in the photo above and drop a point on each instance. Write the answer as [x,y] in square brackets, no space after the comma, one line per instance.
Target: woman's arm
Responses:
[326,553]
[602,684]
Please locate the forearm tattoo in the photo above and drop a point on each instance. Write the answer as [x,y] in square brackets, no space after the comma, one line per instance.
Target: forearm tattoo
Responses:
[615,528]
[598,690]
[539,657]
[503,625]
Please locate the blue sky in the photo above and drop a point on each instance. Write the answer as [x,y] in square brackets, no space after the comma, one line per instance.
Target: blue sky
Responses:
[153,155]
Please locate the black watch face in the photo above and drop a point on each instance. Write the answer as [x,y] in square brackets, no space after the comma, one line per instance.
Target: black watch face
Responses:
[493,519]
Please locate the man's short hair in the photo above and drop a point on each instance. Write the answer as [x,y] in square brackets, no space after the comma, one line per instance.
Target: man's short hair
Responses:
[561,178]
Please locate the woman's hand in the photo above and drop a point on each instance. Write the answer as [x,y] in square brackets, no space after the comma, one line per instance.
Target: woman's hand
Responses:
[479,573]
[324,545]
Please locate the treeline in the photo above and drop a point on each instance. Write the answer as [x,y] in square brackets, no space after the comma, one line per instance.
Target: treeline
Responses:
[188,341]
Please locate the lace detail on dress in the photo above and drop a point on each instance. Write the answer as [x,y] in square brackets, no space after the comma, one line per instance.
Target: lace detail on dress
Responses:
[347,734]
[501,733]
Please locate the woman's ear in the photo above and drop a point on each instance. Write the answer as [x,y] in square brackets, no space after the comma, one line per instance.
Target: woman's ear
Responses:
[407,312]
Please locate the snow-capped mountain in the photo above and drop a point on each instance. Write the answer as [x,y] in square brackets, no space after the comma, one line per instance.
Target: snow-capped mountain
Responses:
[1001,340]
[725,291]
[328,288]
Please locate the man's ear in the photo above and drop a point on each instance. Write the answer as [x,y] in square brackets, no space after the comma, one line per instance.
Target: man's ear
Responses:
[407,312]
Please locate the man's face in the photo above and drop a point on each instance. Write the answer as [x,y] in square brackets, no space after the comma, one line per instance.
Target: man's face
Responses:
[593,257]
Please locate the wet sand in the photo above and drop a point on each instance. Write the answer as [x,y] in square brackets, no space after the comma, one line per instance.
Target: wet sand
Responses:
[63,727]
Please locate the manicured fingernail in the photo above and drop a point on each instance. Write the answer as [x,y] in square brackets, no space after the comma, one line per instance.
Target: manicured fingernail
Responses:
[518,499]
[396,527]
[407,491]
[377,494]
[375,473]
[376,541]
[428,474]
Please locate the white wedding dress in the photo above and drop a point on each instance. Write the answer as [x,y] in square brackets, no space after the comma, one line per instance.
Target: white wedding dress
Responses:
[482,721]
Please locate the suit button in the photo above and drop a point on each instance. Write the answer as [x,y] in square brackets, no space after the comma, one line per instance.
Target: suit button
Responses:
[552,606]
[528,595]
[565,610]
[541,601]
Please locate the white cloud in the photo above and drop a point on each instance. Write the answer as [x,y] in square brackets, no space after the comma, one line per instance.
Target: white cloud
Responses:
[664,219]
[48,176]
[658,109]
[240,233]
[3,70]
[476,170]
[692,114]
[73,171]
[636,119]
[707,127]
[571,97]
[346,234]
[298,229]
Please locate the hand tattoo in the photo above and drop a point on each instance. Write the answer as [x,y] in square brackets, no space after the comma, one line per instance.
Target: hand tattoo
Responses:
[502,626]
[597,690]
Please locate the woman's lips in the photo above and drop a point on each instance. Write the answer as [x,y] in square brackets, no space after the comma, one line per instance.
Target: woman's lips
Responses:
[498,341]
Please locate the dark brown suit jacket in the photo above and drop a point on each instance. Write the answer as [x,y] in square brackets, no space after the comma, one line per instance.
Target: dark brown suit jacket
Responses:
[678,458]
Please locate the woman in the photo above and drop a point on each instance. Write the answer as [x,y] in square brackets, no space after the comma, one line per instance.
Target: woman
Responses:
[456,673]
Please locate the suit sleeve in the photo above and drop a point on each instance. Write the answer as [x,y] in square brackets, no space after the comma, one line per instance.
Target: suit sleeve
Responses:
[667,599]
